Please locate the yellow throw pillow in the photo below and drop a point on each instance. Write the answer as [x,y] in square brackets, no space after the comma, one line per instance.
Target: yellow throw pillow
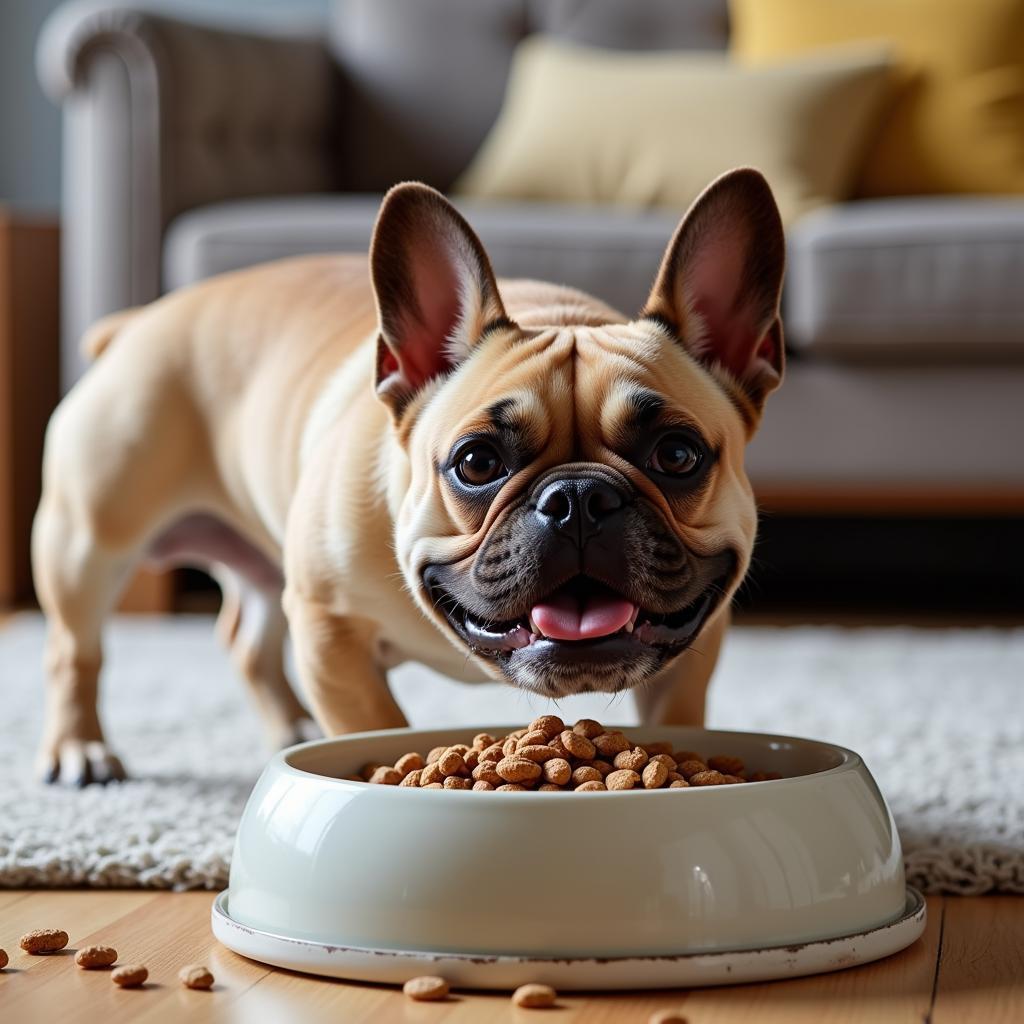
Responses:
[956,120]
[652,129]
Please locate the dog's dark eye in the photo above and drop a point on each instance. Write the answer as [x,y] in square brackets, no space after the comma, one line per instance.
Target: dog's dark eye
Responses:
[675,455]
[479,464]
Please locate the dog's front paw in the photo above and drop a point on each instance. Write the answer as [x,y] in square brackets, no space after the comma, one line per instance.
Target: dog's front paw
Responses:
[73,762]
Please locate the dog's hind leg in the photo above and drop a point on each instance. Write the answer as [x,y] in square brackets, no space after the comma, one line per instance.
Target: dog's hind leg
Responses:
[252,626]
[118,458]
[77,582]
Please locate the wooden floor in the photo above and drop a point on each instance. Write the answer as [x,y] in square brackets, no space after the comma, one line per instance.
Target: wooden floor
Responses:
[967,967]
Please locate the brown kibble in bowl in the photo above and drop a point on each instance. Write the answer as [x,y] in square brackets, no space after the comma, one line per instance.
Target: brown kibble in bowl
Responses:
[534,997]
[518,769]
[611,743]
[726,765]
[385,776]
[409,763]
[196,976]
[4,959]
[585,758]
[92,958]
[634,759]
[577,745]
[550,725]
[426,989]
[129,976]
[624,778]
[43,940]
[654,775]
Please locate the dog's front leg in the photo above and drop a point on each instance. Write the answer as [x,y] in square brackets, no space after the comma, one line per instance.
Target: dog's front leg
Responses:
[677,696]
[334,655]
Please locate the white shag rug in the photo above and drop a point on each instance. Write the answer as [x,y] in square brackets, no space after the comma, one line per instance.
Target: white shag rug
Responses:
[936,715]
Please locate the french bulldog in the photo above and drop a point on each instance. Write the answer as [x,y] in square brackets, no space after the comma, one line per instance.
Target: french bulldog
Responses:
[402,458]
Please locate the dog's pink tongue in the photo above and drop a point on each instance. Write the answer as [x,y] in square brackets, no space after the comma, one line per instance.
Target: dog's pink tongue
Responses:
[564,617]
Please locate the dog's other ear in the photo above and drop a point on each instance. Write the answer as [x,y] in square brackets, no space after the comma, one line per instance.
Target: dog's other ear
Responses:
[435,290]
[720,282]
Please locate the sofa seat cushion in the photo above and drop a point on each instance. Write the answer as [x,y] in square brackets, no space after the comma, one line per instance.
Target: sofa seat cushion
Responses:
[936,278]
[613,254]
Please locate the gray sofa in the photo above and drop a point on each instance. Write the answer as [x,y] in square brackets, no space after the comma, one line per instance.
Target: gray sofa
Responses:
[191,149]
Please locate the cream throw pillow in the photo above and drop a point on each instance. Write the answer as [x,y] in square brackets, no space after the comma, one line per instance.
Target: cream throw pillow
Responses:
[652,129]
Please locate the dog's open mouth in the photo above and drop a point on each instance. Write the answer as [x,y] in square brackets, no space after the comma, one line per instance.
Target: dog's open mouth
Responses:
[582,612]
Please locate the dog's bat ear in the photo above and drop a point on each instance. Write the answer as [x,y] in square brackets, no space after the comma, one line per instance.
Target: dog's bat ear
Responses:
[720,282]
[435,290]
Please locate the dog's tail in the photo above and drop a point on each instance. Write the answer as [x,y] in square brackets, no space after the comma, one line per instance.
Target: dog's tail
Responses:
[101,334]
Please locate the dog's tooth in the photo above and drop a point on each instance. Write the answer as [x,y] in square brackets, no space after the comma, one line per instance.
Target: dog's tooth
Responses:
[629,625]
[632,618]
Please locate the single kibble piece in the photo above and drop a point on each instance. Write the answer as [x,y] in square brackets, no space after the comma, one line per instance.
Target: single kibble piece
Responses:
[679,784]
[450,762]
[413,778]
[733,779]
[550,787]
[481,786]
[666,1017]
[537,752]
[633,759]
[129,976]
[44,940]
[196,976]
[611,743]
[691,767]
[432,785]
[435,753]
[454,782]
[654,775]
[91,958]
[408,763]
[368,769]
[591,787]
[550,725]
[485,771]
[385,776]
[3,959]
[492,753]
[577,745]
[588,727]
[482,740]
[708,778]
[426,989]
[534,997]
[534,738]
[508,748]
[725,764]
[472,759]
[510,787]
[518,769]
[557,771]
[664,759]
[432,773]
[586,773]
[625,778]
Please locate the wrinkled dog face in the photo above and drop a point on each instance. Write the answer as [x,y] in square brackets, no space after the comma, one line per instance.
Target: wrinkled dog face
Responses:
[576,508]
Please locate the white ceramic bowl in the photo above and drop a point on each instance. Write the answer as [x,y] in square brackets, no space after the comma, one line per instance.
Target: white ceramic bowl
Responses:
[812,856]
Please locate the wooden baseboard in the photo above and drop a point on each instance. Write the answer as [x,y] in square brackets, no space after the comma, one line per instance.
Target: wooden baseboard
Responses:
[29,384]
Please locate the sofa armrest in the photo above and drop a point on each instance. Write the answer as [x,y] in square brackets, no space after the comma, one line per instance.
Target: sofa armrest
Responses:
[162,115]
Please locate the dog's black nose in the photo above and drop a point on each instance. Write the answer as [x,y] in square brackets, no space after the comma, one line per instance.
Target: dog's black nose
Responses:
[578,505]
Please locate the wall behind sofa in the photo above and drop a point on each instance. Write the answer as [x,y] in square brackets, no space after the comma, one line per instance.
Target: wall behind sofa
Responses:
[30,123]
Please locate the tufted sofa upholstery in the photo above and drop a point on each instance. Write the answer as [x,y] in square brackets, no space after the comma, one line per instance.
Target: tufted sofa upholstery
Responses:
[194,148]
